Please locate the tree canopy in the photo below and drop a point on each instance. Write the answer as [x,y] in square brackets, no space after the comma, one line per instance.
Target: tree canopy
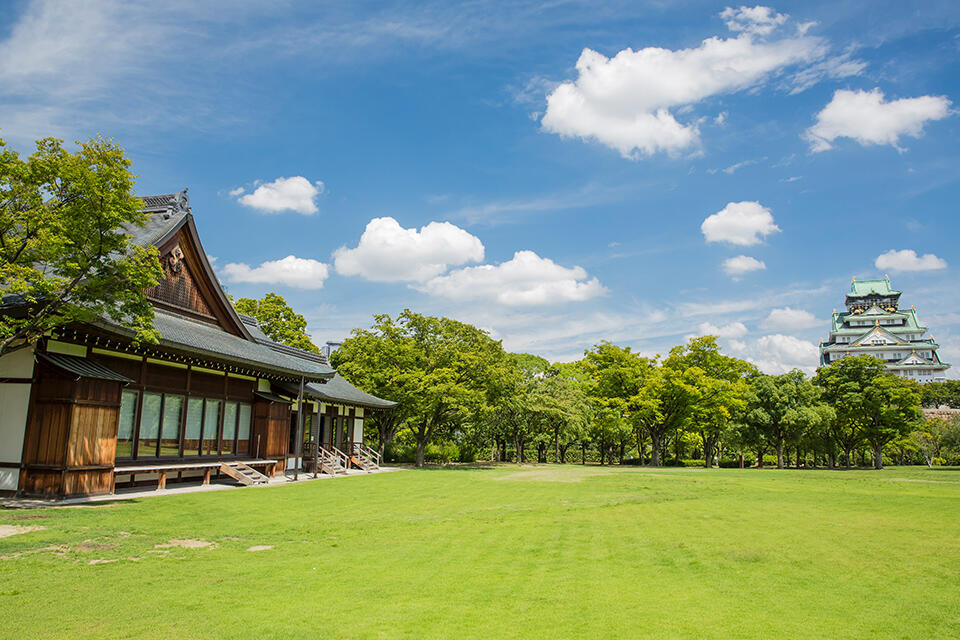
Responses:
[65,250]
[278,320]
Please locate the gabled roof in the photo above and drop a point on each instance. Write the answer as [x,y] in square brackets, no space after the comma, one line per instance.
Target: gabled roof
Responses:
[878,330]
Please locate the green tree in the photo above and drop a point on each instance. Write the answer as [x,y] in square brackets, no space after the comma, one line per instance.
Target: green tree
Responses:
[381,361]
[65,250]
[441,370]
[871,405]
[278,320]
[892,410]
[782,408]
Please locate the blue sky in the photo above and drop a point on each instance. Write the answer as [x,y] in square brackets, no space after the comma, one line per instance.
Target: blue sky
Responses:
[557,172]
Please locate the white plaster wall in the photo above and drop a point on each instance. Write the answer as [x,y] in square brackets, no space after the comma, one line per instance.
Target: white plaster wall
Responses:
[358,430]
[14,402]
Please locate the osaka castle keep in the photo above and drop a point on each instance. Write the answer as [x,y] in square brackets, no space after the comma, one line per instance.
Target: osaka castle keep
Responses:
[874,324]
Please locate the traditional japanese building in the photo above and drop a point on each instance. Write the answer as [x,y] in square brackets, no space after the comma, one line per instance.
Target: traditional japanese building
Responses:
[85,409]
[874,324]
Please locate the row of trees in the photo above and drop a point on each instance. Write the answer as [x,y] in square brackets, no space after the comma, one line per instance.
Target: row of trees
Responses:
[456,385]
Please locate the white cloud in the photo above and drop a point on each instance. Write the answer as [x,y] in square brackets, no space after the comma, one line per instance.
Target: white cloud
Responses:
[236,192]
[731,330]
[778,353]
[292,271]
[741,265]
[842,66]
[908,260]
[624,102]
[866,117]
[284,194]
[739,223]
[525,280]
[789,319]
[759,20]
[389,253]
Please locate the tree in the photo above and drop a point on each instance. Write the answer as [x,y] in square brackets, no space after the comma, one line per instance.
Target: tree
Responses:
[438,369]
[278,320]
[892,409]
[870,404]
[65,249]
[382,362]
[782,408]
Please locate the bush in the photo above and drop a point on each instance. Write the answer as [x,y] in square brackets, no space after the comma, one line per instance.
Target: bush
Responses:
[633,462]
[730,463]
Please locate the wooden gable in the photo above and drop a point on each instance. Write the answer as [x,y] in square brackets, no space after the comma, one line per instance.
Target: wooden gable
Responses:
[190,287]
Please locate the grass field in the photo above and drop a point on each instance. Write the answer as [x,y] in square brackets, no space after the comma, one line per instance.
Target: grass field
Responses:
[531,552]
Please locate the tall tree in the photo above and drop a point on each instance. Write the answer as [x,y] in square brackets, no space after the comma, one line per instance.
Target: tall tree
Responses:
[278,320]
[870,404]
[782,408]
[441,370]
[65,250]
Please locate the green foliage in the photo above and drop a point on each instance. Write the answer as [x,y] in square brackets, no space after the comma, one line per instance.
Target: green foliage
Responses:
[65,252]
[782,409]
[438,370]
[871,405]
[278,320]
[935,394]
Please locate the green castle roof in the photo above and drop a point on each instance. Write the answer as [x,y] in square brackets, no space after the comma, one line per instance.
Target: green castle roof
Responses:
[862,288]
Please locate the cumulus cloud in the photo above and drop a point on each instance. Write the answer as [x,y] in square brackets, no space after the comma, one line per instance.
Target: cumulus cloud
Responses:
[759,20]
[525,280]
[865,116]
[292,271]
[789,319]
[730,330]
[389,253]
[908,260]
[624,102]
[739,223]
[284,194]
[778,353]
[740,265]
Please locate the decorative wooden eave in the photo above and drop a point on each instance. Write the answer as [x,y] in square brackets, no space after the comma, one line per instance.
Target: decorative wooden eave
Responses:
[184,235]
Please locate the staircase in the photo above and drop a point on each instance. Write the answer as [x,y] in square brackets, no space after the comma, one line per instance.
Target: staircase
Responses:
[242,473]
[331,461]
[365,458]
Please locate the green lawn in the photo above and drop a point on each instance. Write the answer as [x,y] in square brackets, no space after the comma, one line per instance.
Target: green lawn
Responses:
[531,552]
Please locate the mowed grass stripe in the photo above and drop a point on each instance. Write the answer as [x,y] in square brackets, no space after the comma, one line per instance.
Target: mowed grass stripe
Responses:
[547,551]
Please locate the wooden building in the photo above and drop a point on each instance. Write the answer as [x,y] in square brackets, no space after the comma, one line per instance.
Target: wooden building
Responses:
[85,410]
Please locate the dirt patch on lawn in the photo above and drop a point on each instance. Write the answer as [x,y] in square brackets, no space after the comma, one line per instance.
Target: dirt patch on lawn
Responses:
[186,544]
[7,530]
[261,547]
[89,545]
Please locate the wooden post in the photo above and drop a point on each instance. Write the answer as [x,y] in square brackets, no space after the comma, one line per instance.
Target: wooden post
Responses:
[298,445]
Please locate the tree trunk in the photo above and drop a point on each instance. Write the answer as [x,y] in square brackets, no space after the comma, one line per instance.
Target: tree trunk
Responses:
[421,447]
[798,456]
[639,436]
[583,453]
[623,448]
[878,458]
[831,459]
[656,440]
[780,453]
[847,454]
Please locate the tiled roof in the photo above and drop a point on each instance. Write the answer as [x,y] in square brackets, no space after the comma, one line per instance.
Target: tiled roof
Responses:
[206,340]
[861,288]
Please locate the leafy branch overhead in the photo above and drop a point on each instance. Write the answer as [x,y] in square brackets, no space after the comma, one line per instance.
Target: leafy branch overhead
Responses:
[65,249]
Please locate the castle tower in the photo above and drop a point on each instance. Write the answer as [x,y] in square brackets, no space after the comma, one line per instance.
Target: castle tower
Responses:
[874,324]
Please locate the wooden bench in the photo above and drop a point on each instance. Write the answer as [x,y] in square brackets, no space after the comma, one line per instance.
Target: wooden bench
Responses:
[164,469]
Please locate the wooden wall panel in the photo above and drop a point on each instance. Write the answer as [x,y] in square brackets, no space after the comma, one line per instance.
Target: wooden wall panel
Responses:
[271,422]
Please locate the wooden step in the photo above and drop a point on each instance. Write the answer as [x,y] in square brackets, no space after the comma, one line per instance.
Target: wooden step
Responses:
[242,473]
